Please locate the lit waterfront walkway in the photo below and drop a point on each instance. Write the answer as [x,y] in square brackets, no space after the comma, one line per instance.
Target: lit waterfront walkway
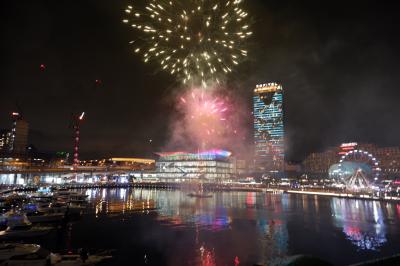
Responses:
[207,186]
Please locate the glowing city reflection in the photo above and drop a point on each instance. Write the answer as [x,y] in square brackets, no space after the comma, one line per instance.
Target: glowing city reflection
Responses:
[264,218]
[354,217]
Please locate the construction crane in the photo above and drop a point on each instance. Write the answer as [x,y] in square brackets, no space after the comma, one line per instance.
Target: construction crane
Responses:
[76,124]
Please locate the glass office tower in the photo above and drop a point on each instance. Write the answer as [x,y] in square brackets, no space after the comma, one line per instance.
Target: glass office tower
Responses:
[268,128]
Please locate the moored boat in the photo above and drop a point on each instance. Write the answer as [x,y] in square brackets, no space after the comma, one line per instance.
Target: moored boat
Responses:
[16,254]
[23,255]
[19,227]
[43,217]
[77,259]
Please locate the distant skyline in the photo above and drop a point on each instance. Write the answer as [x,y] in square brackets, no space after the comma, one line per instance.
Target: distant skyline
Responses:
[336,60]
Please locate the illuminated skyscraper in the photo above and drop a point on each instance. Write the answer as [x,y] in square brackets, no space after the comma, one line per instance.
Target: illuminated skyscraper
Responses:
[5,140]
[268,128]
[19,134]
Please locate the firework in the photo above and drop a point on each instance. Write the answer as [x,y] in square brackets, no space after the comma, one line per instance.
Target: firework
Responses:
[198,41]
[205,112]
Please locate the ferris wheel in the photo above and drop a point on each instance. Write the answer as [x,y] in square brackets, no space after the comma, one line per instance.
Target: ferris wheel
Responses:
[363,159]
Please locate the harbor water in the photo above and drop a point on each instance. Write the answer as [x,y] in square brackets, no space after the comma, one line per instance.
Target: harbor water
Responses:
[166,227]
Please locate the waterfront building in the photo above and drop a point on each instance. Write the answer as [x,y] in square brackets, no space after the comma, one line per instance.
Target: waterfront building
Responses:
[210,165]
[121,163]
[268,128]
[5,140]
[19,134]
[319,162]
[387,159]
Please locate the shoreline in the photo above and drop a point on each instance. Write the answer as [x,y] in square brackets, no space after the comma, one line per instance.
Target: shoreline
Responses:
[212,187]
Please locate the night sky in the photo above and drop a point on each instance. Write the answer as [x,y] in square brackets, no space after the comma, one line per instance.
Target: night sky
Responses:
[337,60]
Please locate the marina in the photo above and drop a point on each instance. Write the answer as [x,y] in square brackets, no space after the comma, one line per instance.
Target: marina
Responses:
[154,226]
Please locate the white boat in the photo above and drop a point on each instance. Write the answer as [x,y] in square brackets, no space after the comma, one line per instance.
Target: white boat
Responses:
[43,197]
[23,255]
[16,254]
[18,226]
[39,213]
[70,196]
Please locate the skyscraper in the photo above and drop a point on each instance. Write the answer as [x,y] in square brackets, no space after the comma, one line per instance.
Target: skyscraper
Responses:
[19,134]
[5,140]
[268,128]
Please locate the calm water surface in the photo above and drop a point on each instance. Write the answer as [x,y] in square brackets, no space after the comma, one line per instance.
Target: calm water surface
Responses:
[160,227]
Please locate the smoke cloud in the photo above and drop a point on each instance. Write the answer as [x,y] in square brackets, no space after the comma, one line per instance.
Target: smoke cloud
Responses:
[209,118]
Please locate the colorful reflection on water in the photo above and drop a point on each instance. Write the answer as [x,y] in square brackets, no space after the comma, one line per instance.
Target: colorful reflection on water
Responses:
[246,228]
[398,210]
[362,222]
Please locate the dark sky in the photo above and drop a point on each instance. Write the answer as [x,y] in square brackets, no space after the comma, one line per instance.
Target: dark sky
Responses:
[337,60]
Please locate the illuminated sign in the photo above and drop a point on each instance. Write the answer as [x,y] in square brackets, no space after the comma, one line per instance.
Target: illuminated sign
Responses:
[349,145]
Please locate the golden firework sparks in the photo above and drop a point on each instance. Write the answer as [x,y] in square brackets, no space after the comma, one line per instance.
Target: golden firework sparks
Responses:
[195,40]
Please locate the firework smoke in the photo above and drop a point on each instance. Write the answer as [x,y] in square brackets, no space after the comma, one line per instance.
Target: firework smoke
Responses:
[207,119]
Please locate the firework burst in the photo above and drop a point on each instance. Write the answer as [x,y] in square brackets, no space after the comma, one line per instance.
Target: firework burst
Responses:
[206,112]
[198,41]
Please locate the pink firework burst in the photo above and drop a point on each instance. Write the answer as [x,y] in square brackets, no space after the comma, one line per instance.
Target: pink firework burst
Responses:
[206,112]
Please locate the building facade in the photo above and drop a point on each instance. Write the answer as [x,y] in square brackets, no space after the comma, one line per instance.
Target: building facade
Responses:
[135,164]
[19,134]
[387,158]
[5,140]
[268,128]
[182,166]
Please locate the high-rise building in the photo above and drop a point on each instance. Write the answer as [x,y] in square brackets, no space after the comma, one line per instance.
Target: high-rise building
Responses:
[19,134]
[5,140]
[268,128]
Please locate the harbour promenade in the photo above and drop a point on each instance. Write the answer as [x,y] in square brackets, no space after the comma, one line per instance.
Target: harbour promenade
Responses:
[190,186]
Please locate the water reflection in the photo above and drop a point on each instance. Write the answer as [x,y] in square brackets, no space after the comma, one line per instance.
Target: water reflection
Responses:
[361,221]
[118,201]
[244,228]
[398,210]
[223,212]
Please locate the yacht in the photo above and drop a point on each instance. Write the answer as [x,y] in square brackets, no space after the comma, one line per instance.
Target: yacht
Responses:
[70,196]
[18,226]
[37,215]
[23,255]
[44,217]
[16,254]
[76,259]
[61,207]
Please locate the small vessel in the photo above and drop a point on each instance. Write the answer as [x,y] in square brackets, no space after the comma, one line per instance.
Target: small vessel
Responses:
[23,255]
[18,226]
[16,254]
[70,196]
[37,215]
[43,217]
[77,260]
[62,208]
